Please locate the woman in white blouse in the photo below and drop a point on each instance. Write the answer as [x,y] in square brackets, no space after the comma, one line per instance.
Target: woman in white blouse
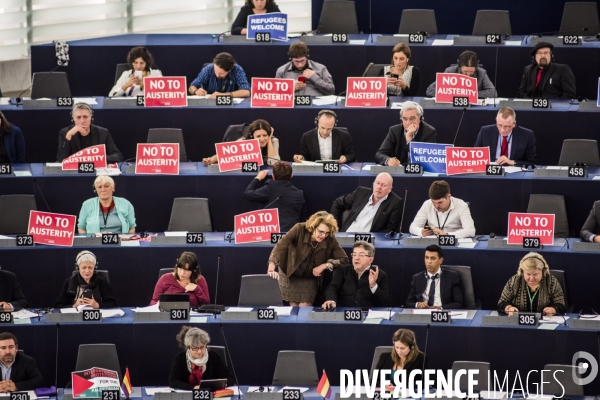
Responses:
[131,82]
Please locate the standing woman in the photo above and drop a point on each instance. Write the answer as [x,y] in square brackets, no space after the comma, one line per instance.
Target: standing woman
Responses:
[402,79]
[130,83]
[302,255]
[12,144]
[250,8]
[404,356]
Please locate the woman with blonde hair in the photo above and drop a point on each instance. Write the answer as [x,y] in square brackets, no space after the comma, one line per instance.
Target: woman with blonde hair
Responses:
[302,255]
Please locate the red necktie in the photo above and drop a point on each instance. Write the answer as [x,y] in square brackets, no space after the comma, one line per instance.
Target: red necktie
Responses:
[504,148]
[538,78]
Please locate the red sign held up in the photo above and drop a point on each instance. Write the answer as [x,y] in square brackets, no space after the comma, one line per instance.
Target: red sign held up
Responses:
[231,155]
[269,92]
[157,158]
[449,85]
[466,160]
[165,91]
[366,92]
[52,229]
[256,226]
[527,225]
[93,154]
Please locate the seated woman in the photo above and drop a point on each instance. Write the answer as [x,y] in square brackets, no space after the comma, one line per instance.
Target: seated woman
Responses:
[185,279]
[532,289]
[12,143]
[405,355]
[269,144]
[86,287]
[302,255]
[131,82]
[197,362]
[106,213]
[402,79]
[250,8]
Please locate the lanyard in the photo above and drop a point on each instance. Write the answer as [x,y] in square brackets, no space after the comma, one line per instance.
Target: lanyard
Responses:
[438,219]
[531,298]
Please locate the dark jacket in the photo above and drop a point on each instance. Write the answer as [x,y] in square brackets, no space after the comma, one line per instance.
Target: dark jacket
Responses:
[215,369]
[25,374]
[451,291]
[99,286]
[99,136]
[341,145]
[590,227]
[349,291]
[394,144]
[10,291]
[386,362]
[15,145]
[242,18]
[485,87]
[522,147]
[558,82]
[386,219]
[291,204]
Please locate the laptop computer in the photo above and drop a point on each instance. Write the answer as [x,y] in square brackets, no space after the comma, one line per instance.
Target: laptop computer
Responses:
[170,302]
[213,384]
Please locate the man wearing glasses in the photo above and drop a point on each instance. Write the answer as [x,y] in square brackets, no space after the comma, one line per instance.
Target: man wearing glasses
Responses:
[312,78]
[394,149]
[545,78]
[360,284]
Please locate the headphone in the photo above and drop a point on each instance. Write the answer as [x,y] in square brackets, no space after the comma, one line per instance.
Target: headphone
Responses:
[82,106]
[551,54]
[326,112]
[545,269]
[83,253]
[229,58]
[417,106]
[196,268]
[307,51]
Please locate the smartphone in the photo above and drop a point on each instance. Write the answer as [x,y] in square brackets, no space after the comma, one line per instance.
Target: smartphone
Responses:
[427,227]
[302,78]
[394,76]
[87,294]
[374,268]
[138,74]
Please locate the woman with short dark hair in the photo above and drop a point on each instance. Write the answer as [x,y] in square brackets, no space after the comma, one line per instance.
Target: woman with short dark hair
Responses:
[250,8]
[131,81]
[186,278]
[403,79]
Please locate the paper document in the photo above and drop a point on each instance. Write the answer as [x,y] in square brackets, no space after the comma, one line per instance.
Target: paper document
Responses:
[176,233]
[22,314]
[380,314]
[556,167]
[88,100]
[198,320]
[301,389]
[422,311]
[469,245]
[442,42]
[459,314]
[555,319]
[153,391]
[282,310]
[130,243]
[590,318]
[358,41]
[154,308]
[4,101]
[108,171]
[430,174]
[465,240]
[22,173]
[53,164]
[324,100]
[112,313]
[510,170]
[70,310]
[239,309]
[512,43]
[493,101]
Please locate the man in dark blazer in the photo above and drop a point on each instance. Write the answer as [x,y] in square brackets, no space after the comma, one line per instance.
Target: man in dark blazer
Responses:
[83,134]
[589,231]
[445,284]
[24,374]
[361,284]
[11,296]
[336,142]
[546,79]
[370,210]
[279,193]
[519,146]
[394,149]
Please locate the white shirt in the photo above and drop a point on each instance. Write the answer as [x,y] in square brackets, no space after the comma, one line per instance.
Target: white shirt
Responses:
[437,298]
[364,220]
[133,91]
[455,221]
[325,146]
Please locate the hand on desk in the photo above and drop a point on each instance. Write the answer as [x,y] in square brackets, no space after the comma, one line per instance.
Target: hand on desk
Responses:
[298,158]
[393,162]
[503,160]
[7,386]
[511,310]
[5,306]
[85,301]
[329,304]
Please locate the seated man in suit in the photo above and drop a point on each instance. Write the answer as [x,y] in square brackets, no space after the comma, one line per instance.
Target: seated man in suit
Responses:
[360,284]
[371,210]
[11,296]
[84,134]
[468,64]
[19,372]
[436,288]
[590,230]
[436,216]
[545,78]
[279,193]
[509,144]
[394,149]
[326,142]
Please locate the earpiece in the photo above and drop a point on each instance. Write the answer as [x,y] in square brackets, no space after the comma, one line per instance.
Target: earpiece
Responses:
[326,112]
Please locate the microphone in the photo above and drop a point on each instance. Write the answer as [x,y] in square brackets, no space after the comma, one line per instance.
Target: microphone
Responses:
[18,100]
[392,233]
[541,34]
[425,351]
[370,22]
[220,35]
[56,361]
[563,237]
[278,197]
[230,360]
[124,161]
[459,123]
[496,76]
[42,193]
[214,308]
[338,96]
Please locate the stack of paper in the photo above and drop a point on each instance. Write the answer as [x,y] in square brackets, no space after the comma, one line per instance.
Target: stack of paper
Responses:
[23,314]
[282,310]
[154,308]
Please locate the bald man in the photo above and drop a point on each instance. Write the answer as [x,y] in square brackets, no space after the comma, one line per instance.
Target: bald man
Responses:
[375,209]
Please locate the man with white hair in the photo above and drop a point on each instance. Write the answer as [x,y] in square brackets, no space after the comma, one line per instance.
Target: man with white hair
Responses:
[375,209]
[394,149]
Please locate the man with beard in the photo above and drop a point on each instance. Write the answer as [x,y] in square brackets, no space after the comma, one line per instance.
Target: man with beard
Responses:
[19,372]
[545,78]
[312,78]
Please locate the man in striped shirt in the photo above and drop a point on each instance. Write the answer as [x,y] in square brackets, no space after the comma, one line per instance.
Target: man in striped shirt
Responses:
[221,78]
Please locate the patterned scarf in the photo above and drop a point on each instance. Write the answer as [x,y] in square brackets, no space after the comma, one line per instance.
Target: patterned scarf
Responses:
[196,366]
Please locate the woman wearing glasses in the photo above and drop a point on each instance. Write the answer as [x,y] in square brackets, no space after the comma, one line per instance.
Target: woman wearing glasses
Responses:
[197,362]
[302,255]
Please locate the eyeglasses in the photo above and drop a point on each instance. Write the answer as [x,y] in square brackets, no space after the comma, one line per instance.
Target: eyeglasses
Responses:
[198,348]
[361,255]
[542,53]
